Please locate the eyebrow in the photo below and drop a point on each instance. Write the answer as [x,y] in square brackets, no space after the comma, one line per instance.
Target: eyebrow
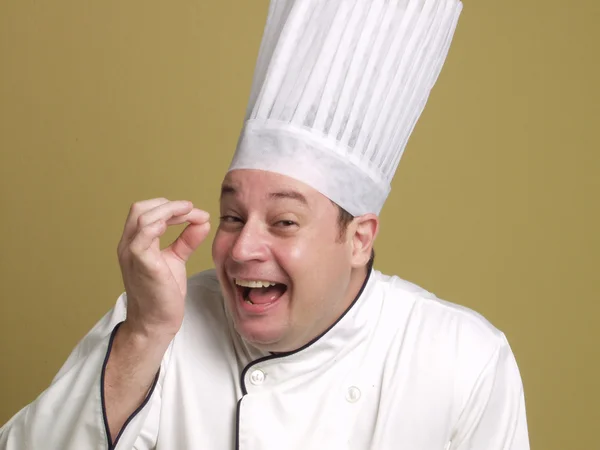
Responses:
[227,189]
[294,195]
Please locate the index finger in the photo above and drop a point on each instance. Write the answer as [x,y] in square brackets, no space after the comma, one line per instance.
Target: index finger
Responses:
[136,210]
[196,216]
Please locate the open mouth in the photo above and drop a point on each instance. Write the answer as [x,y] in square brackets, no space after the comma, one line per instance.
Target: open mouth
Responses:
[259,292]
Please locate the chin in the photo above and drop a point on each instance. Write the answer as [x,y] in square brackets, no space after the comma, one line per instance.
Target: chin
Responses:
[263,337]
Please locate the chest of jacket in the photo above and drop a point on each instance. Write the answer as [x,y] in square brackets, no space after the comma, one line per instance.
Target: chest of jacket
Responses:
[360,398]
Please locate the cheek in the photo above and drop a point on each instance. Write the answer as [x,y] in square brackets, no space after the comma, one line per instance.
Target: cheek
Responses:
[294,256]
[220,247]
[312,262]
[317,245]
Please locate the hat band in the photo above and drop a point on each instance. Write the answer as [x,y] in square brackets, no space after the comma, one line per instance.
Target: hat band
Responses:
[297,153]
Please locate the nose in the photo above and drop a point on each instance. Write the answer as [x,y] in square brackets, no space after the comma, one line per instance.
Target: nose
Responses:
[250,244]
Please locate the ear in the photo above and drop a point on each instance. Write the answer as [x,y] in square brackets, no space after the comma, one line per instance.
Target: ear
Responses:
[362,233]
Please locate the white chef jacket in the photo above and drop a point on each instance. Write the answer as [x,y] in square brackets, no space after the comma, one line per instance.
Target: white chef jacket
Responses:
[400,369]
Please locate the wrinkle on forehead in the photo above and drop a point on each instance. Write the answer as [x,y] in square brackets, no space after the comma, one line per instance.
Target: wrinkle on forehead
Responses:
[275,187]
[287,194]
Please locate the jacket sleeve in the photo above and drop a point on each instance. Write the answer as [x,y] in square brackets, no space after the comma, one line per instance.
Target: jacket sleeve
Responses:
[69,414]
[494,416]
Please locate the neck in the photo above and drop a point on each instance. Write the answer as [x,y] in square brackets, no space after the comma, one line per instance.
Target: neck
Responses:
[357,280]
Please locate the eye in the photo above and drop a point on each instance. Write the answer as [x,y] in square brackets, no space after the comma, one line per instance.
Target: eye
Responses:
[230,219]
[286,223]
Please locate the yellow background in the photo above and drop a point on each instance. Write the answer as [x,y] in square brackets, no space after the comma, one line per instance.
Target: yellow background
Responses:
[495,204]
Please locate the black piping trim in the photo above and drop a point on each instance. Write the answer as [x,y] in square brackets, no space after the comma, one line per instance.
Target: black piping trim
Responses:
[281,355]
[112,445]
[237,424]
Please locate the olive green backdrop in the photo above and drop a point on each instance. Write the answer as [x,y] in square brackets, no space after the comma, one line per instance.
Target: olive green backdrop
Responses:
[494,206]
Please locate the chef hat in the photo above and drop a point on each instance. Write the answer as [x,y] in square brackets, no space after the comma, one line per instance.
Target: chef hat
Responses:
[337,90]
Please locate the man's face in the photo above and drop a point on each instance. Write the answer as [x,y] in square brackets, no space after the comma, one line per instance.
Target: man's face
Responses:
[276,230]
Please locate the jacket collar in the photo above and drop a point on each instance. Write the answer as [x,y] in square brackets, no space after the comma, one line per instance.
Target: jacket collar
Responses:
[351,328]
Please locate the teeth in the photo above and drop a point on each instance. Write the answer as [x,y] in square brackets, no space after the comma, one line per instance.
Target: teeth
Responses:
[254,284]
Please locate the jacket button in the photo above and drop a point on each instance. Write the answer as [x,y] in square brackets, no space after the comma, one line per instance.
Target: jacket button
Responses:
[353,394]
[257,377]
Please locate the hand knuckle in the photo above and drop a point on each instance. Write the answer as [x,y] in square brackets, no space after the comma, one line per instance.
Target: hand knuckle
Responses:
[142,221]
[132,248]
[134,207]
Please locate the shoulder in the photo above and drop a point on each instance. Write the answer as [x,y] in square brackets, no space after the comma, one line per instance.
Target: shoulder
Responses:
[443,335]
[447,356]
[432,314]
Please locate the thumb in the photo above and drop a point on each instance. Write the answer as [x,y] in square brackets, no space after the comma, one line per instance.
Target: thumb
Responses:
[189,240]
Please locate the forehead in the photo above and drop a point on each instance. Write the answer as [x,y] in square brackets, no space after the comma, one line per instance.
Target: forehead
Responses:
[249,184]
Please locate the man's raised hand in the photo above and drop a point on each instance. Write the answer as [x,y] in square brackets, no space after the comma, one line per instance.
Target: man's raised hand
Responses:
[156,280]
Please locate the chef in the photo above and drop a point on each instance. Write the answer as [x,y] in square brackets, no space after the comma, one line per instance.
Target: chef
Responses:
[294,340]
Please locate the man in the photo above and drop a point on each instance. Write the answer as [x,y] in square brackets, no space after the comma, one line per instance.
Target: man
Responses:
[293,341]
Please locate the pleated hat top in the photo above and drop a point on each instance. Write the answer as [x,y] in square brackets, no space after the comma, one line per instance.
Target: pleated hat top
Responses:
[338,88]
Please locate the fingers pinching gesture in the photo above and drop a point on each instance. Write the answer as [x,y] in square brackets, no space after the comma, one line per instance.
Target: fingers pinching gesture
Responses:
[156,280]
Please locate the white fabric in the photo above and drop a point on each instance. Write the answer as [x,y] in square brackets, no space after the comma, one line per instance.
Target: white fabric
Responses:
[338,88]
[402,369]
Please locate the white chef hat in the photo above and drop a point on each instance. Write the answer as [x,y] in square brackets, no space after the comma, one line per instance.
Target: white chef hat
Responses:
[338,88]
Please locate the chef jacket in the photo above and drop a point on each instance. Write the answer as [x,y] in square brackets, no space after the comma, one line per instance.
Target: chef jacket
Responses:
[401,369]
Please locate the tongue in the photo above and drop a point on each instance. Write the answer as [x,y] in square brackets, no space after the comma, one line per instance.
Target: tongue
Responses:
[261,296]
